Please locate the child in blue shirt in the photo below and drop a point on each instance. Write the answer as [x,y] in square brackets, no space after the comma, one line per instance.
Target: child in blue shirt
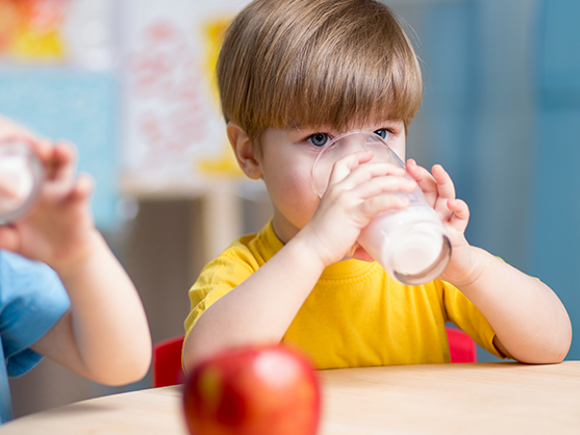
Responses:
[83,311]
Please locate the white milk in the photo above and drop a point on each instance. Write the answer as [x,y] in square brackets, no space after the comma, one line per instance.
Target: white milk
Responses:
[410,244]
[18,180]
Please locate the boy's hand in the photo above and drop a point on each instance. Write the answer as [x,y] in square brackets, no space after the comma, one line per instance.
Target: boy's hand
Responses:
[454,213]
[356,193]
[59,228]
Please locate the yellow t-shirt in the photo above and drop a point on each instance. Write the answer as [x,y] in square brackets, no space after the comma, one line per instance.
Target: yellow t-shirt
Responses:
[356,315]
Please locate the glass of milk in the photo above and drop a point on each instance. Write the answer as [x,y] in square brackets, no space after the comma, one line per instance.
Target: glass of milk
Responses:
[411,244]
[21,177]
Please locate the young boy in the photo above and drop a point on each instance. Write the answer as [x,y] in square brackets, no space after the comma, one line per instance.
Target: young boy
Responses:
[83,311]
[292,75]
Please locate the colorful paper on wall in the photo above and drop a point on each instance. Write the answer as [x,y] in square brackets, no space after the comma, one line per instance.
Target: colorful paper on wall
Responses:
[58,32]
[175,136]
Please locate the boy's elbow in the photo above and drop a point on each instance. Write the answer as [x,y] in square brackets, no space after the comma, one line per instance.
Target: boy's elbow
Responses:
[560,352]
[553,354]
[127,370]
[542,359]
[137,371]
[118,378]
[560,348]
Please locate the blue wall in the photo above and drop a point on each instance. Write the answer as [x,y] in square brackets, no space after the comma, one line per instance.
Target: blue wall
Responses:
[555,218]
[78,106]
[500,112]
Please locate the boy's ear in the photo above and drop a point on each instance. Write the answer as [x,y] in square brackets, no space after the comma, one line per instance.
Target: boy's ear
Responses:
[244,151]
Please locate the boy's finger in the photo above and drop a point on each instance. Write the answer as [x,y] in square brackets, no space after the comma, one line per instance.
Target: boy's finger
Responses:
[83,188]
[60,172]
[423,178]
[349,165]
[460,216]
[61,164]
[342,168]
[10,131]
[379,185]
[372,206]
[445,186]
[369,171]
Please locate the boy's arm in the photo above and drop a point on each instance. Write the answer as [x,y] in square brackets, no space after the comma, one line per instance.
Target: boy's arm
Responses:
[529,320]
[104,336]
[262,308]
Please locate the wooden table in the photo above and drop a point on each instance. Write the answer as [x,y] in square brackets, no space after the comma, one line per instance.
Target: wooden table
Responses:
[484,398]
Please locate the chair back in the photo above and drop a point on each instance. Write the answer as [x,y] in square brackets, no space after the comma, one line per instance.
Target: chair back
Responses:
[167,368]
[167,362]
[462,348]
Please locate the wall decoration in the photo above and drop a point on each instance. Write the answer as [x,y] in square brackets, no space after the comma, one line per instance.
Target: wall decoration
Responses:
[175,141]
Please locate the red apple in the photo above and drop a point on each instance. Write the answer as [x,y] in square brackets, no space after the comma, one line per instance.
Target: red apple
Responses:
[270,390]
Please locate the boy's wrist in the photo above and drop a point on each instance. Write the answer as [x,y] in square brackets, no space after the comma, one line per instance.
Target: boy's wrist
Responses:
[305,247]
[69,262]
[471,270]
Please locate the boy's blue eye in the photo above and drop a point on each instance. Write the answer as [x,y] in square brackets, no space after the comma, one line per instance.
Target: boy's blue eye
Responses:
[383,132]
[318,139]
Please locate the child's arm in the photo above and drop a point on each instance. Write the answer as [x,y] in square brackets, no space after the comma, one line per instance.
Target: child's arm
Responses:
[104,336]
[530,322]
[262,308]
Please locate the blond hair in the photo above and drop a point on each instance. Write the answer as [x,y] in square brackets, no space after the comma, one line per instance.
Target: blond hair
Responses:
[337,63]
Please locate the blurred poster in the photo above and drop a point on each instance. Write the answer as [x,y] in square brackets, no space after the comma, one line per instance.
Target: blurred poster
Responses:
[175,140]
[31,29]
[57,32]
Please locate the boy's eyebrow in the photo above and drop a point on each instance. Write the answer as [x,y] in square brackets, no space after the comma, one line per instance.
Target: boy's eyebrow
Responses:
[312,129]
[300,127]
[325,128]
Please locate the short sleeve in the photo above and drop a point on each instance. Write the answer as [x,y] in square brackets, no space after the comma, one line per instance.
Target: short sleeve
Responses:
[32,300]
[217,278]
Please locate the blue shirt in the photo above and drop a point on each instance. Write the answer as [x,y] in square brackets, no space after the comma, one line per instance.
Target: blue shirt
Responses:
[32,299]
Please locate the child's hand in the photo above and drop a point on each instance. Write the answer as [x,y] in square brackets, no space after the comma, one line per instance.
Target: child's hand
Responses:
[454,213]
[59,229]
[356,193]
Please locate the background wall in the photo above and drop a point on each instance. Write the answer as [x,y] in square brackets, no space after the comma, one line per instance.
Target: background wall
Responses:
[554,231]
[502,86]
[500,113]
[478,117]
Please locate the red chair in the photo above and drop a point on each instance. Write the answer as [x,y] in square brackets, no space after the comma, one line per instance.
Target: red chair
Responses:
[167,356]
[167,362]
[461,347]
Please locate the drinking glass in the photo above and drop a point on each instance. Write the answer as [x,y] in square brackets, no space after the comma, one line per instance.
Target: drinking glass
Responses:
[21,177]
[411,243]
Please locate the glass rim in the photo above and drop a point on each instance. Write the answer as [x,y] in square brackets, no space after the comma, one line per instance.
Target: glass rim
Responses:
[341,136]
